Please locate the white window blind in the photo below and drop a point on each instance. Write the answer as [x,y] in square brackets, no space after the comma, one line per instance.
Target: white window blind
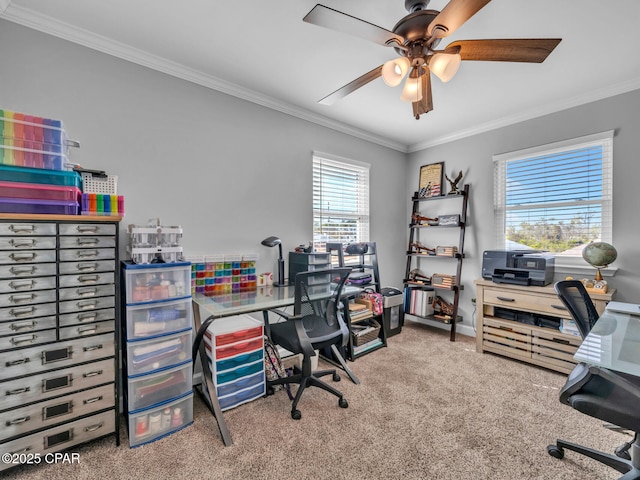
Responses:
[340,201]
[555,197]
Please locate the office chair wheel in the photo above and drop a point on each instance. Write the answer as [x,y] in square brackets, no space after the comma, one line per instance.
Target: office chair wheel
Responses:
[336,377]
[343,403]
[270,391]
[554,451]
[296,414]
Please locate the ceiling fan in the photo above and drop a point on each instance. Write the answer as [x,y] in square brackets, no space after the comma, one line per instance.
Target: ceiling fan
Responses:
[415,38]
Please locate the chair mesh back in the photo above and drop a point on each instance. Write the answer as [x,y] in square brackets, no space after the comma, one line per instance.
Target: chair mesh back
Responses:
[576,298]
[317,292]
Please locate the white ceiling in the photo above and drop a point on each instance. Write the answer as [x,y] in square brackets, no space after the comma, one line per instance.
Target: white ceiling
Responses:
[262,51]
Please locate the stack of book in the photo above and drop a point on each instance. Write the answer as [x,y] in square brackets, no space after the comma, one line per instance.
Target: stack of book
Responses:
[443,280]
[358,311]
[420,302]
[446,251]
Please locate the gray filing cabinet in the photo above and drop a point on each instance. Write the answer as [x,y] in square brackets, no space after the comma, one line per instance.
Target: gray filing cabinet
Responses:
[58,346]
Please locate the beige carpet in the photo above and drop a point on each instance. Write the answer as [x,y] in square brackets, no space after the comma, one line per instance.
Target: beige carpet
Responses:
[426,408]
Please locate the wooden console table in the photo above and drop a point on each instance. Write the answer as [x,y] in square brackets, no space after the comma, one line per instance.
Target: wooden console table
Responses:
[542,346]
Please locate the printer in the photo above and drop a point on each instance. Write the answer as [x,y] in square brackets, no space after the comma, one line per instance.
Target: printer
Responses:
[519,267]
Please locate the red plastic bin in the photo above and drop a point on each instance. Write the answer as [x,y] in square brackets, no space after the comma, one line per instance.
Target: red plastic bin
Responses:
[39,192]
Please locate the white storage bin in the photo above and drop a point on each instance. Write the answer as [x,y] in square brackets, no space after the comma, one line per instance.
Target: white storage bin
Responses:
[154,388]
[150,425]
[157,281]
[154,319]
[159,352]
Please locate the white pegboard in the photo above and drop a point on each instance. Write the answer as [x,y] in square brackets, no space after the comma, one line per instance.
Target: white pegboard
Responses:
[97,184]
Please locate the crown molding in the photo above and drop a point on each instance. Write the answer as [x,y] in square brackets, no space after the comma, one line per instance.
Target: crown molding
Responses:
[31,19]
[576,101]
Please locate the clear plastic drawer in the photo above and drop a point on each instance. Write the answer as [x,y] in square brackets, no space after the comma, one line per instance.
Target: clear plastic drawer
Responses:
[152,283]
[147,355]
[154,388]
[154,319]
[243,396]
[155,423]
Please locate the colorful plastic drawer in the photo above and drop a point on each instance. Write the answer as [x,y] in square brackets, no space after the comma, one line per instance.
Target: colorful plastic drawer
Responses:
[146,355]
[233,375]
[36,175]
[240,384]
[233,329]
[238,348]
[235,362]
[241,397]
[53,207]
[150,425]
[161,318]
[151,282]
[39,192]
[154,388]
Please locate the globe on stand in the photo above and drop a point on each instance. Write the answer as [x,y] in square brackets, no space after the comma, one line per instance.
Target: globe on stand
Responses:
[599,255]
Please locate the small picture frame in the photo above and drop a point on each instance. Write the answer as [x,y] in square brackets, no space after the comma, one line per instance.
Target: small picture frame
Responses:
[431,178]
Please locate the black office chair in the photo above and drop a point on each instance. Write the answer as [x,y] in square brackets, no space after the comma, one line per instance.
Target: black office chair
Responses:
[577,300]
[598,392]
[316,323]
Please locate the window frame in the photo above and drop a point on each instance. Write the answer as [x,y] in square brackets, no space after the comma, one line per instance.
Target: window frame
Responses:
[363,214]
[563,263]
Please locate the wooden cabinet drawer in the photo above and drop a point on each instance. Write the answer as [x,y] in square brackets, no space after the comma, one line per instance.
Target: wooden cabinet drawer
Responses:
[530,302]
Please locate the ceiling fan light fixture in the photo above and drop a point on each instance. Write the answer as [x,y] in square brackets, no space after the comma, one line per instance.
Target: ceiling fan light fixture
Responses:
[445,65]
[412,91]
[394,71]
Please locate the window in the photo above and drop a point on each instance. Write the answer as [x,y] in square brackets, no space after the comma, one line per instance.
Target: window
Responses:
[555,197]
[340,201]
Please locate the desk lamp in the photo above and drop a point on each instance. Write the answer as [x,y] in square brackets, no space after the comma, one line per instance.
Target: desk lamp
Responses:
[272,242]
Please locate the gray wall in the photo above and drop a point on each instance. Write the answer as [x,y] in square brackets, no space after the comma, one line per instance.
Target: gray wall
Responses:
[473,155]
[228,171]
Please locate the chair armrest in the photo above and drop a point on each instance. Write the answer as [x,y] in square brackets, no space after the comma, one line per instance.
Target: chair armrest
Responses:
[616,379]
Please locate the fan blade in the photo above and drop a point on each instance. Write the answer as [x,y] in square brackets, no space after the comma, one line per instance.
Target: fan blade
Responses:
[533,50]
[426,103]
[453,15]
[335,20]
[351,86]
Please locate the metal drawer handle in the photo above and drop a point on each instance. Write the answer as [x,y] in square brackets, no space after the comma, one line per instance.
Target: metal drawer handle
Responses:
[23,242]
[23,257]
[83,242]
[20,361]
[86,305]
[18,391]
[93,428]
[83,317]
[92,374]
[505,299]
[23,271]
[87,292]
[22,228]
[92,400]
[88,228]
[30,339]
[24,450]
[87,330]
[89,278]
[92,348]
[87,266]
[25,285]
[22,298]
[19,326]
[17,421]
[15,312]
[559,307]
[88,253]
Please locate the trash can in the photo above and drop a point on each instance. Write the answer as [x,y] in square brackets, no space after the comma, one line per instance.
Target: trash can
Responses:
[393,311]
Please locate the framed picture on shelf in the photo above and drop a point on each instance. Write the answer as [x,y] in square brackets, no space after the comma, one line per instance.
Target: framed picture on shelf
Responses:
[431,177]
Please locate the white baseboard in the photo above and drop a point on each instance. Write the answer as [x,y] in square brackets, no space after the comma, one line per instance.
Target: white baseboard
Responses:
[461,328]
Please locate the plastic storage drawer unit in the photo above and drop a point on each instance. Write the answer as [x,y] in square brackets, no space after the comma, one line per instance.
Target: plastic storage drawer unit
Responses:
[154,388]
[28,206]
[154,423]
[242,396]
[160,318]
[36,175]
[146,355]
